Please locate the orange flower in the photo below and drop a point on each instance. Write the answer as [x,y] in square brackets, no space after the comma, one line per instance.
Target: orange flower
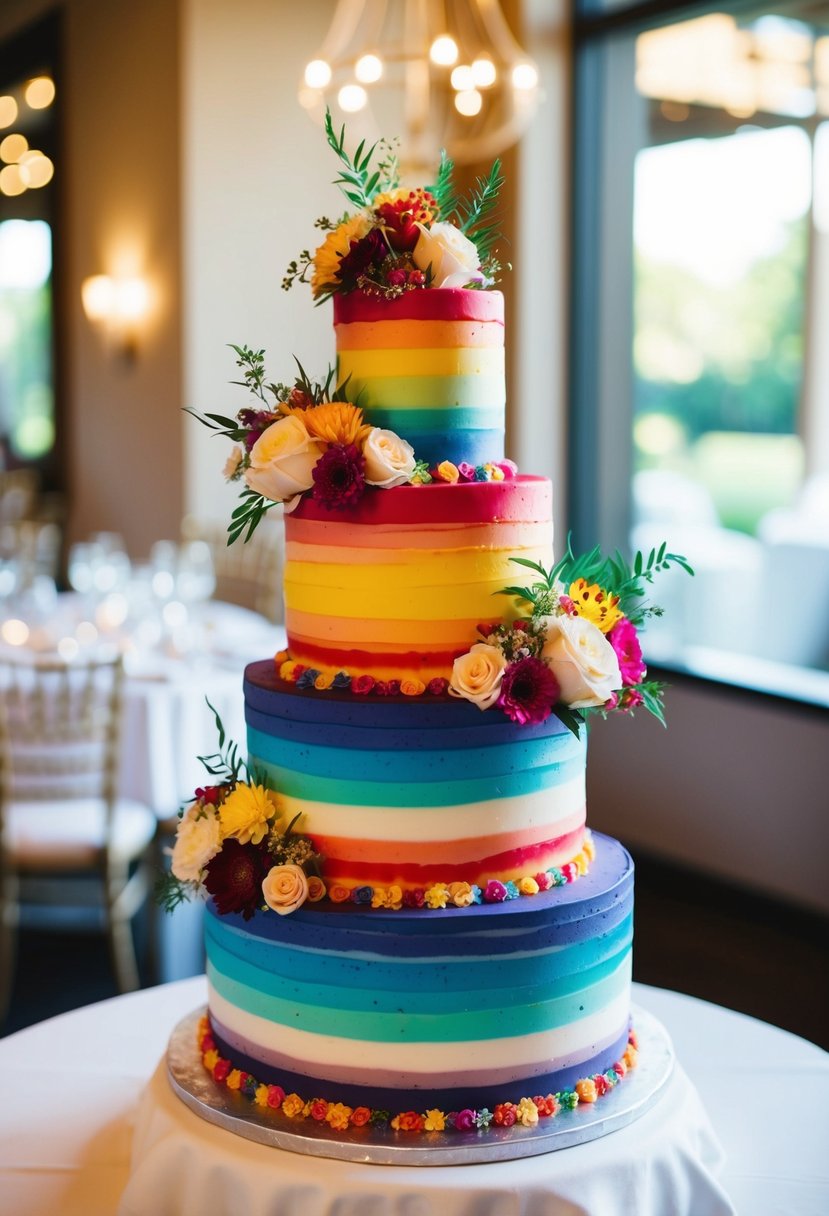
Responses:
[586,1090]
[293,1106]
[360,1116]
[408,1121]
[334,422]
[412,687]
[338,894]
[316,889]
[337,1116]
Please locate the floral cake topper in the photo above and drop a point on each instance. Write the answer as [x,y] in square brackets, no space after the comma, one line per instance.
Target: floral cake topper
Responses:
[400,239]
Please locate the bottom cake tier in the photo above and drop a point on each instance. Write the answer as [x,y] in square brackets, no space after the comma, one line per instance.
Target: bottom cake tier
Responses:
[427,1010]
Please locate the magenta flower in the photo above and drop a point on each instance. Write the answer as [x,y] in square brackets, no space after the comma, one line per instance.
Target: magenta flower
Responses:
[466,471]
[495,892]
[509,468]
[465,1120]
[363,256]
[528,691]
[625,642]
[339,476]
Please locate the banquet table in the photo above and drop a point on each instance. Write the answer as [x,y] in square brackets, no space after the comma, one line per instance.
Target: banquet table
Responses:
[72,1100]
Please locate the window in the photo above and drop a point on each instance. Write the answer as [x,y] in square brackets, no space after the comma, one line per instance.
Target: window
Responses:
[28,138]
[701,286]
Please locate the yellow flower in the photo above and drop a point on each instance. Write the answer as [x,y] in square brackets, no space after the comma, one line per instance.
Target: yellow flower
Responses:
[334,422]
[527,885]
[586,1090]
[260,1096]
[588,846]
[526,1113]
[461,894]
[447,471]
[292,1106]
[333,249]
[210,1059]
[595,604]
[337,1116]
[246,813]
[435,1121]
[436,895]
[286,670]
[394,898]
[412,687]
[496,474]
[324,680]
[580,862]
[234,1079]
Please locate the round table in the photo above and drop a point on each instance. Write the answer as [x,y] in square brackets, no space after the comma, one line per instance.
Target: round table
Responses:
[73,1087]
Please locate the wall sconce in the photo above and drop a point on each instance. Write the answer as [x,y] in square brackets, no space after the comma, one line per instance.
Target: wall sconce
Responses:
[119,306]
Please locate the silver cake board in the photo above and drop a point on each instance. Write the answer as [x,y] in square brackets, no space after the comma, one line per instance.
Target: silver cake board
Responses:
[381,1145]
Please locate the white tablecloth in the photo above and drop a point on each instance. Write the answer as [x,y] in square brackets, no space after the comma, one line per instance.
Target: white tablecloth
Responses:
[72,1088]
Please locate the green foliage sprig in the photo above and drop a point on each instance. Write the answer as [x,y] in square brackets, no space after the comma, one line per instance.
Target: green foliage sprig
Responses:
[473,215]
[357,182]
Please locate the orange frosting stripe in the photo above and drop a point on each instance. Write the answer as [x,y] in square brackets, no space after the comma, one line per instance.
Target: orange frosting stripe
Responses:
[407,334]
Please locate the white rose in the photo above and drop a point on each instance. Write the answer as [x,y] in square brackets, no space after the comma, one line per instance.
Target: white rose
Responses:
[282,460]
[285,888]
[452,256]
[198,840]
[582,660]
[390,461]
[476,676]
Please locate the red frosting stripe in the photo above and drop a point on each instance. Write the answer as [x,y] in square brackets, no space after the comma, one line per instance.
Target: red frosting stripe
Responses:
[526,499]
[431,304]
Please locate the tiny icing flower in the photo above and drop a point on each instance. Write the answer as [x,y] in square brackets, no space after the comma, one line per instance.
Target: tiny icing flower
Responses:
[495,892]
[408,1121]
[586,1090]
[477,675]
[287,671]
[221,1070]
[285,889]
[446,471]
[465,1120]
[504,1114]
[276,1096]
[323,680]
[437,686]
[528,886]
[460,893]
[293,1106]
[415,898]
[316,889]
[307,678]
[362,685]
[544,881]
[317,1108]
[362,895]
[260,1097]
[211,1059]
[509,468]
[527,1113]
[338,1116]
[528,691]
[360,1116]
[437,895]
[234,1079]
[247,812]
[339,894]
[466,471]
[412,687]
[434,1121]
[483,1117]
[341,681]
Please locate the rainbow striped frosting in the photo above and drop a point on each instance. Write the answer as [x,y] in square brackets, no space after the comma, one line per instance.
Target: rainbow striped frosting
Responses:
[454,1009]
[429,366]
[400,792]
[398,587]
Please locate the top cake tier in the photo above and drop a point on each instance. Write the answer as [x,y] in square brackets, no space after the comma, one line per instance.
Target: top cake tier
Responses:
[429,366]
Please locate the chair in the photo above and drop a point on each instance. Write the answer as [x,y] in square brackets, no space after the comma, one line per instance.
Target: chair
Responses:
[63,830]
[247,573]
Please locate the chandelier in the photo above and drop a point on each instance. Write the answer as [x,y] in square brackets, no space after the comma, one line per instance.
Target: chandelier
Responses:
[441,73]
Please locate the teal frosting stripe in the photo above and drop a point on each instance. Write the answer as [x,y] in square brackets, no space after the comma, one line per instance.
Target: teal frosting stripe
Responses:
[501,1021]
[345,763]
[430,793]
[485,391]
[445,421]
[342,981]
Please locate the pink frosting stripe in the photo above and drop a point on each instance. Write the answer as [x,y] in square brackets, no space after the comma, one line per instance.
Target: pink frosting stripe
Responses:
[431,304]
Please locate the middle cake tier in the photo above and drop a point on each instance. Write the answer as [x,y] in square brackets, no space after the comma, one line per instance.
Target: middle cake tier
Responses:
[396,586]
[412,792]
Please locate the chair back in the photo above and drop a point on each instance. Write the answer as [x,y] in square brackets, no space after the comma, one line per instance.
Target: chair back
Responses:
[59,729]
[247,573]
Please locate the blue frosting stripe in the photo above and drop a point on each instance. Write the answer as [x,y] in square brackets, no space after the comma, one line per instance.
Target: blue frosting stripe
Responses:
[503,1020]
[428,793]
[276,968]
[555,754]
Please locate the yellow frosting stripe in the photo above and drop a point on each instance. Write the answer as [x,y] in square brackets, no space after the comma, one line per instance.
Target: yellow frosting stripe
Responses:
[372,364]
[430,335]
[423,570]
[316,628]
[386,599]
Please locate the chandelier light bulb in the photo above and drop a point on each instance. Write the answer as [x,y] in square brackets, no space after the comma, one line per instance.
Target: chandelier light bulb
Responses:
[36,170]
[11,183]
[368,69]
[40,92]
[352,97]
[462,78]
[525,76]
[13,147]
[469,103]
[318,74]
[444,51]
[483,73]
[8,111]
